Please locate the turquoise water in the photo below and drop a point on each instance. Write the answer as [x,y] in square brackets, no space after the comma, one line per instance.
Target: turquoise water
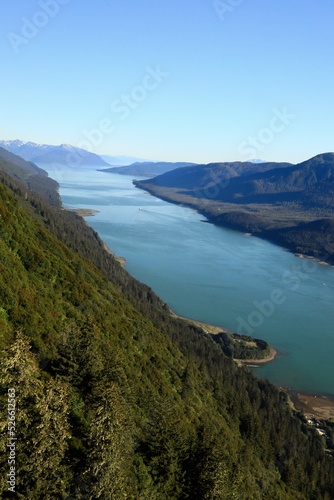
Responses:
[216,275]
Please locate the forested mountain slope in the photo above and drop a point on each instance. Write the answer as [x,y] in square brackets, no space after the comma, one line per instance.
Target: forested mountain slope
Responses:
[30,175]
[276,203]
[117,399]
[310,182]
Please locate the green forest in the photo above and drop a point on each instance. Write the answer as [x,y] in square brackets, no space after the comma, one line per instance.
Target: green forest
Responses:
[117,399]
[242,346]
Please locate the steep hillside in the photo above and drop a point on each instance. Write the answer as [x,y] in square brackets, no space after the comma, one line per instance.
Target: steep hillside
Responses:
[30,175]
[117,399]
[18,167]
[272,203]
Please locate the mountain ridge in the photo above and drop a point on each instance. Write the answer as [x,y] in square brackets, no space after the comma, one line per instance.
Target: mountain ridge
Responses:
[34,178]
[268,203]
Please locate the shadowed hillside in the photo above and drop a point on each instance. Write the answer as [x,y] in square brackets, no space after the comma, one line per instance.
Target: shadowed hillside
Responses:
[33,177]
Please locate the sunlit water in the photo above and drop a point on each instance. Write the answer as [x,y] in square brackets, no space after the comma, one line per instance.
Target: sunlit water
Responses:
[216,275]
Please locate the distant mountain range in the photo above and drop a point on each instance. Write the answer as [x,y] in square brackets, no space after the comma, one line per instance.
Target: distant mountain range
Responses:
[48,154]
[148,169]
[292,205]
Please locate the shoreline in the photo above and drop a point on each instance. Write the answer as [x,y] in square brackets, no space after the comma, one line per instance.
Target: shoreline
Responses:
[83,212]
[317,406]
[120,260]
[88,212]
[212,219]
[311,257]
[214,330]
[273,355]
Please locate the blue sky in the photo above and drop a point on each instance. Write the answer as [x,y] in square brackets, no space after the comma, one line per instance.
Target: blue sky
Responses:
[183,80]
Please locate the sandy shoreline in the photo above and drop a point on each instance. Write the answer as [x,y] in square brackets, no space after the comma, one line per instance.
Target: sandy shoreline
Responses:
[83,212]
[121,260]
[270,357]
[314,259]
[205,326]
[313,405]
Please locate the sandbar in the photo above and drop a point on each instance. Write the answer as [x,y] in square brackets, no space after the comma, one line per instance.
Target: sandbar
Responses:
[212,329]
[83,212]
[271,356]
[317,406]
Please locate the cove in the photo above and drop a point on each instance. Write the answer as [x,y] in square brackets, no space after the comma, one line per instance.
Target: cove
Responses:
[216,275]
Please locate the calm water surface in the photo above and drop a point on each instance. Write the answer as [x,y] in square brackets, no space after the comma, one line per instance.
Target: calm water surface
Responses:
[216,275]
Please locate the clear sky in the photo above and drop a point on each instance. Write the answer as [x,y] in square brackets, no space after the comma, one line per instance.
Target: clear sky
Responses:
[176,80]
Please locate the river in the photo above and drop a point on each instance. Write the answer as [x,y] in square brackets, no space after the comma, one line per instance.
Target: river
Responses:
[216,275]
